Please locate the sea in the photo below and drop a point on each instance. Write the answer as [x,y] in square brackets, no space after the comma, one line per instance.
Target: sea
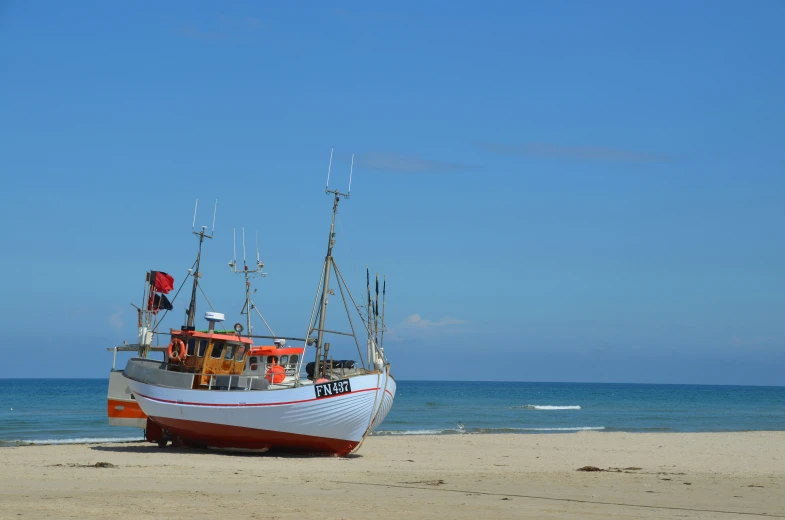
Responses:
[62,411]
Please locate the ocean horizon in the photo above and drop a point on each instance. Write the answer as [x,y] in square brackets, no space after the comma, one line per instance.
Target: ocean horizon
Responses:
[38,411]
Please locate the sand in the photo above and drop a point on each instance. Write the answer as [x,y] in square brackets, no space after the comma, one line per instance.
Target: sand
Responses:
[680,475]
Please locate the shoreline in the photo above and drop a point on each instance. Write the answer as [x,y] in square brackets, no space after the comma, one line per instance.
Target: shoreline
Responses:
[644,475]
[566,431]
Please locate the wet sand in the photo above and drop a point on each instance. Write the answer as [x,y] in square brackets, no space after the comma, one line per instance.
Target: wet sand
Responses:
[673,475]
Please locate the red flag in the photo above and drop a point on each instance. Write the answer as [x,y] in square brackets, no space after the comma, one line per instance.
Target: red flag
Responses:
[161,281]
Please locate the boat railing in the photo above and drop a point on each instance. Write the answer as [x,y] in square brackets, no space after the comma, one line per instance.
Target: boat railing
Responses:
[130,348]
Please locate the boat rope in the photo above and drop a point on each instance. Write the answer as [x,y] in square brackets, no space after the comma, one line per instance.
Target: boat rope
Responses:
[341,283]
[375,411]
[158,322]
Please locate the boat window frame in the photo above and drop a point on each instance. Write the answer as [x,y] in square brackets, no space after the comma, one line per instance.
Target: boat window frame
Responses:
[221,344]
[191,347]
[240,352]
[203,344]
[229,351]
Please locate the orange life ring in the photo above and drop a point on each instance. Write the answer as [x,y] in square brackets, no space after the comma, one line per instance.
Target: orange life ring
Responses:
[276,374]
[177,350]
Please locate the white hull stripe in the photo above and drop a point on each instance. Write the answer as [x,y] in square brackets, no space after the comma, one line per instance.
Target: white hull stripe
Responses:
[245,405]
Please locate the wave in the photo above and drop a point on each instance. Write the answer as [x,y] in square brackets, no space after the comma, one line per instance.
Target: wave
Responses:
[413,432]
[80,440]
[488,430]
[547,407]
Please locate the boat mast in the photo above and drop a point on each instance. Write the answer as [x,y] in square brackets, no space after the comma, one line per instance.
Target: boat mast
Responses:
[326,282]
[248,274]
[202,234]
[328,261]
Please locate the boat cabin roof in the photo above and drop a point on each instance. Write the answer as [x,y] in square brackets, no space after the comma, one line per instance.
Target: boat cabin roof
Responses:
[272,350]
[187,334]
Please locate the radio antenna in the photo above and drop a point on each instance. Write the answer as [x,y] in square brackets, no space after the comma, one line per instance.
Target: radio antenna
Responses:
[248,274]
[329,167]
[193,224]
[351,170]
[234,244]
[202,234]
[336,192]
[244,262]
[215,212]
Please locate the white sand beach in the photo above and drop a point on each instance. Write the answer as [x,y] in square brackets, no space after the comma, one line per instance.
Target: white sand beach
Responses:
[674,475]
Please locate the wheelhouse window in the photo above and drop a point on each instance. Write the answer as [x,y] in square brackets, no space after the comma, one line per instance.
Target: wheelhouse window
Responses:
[191,346]
[272,359]
[284,359]
[229,352]
[293,359]
[218,349]
[202,348]
[240,353]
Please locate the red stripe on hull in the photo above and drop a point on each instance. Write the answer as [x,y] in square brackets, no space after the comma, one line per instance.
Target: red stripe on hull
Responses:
[225,436]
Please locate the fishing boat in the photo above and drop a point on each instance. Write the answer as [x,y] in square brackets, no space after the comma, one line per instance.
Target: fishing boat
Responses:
[276,361]
[205,396]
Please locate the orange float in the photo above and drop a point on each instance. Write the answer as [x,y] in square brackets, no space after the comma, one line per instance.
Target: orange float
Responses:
[276,374]
[176,350]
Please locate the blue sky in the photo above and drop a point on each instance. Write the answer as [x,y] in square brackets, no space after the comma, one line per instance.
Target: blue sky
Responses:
[557,191]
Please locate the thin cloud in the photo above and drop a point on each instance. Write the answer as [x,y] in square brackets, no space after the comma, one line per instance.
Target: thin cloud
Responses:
[397,163]
[415,321]
[417,327]
[116,319]
[581,153]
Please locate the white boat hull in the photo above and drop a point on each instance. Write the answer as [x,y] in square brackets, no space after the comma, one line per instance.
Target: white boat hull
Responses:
[290,418]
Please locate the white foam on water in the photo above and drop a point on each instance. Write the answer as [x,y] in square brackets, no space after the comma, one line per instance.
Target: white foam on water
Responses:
[81,440]
[547,407]
[488,430]
[576,429]
[411,432]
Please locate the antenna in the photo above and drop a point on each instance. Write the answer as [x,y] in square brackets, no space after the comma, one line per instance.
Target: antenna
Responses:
[336,192]
[193,224]
[248,274]
[244,262]
[351,169]
[215,211]
[329,167]
[234,244]
[203,231]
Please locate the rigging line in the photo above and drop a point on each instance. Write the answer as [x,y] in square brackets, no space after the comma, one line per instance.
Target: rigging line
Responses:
[349,317]
[377,410]
[158,322]
[205,297]
[376,347]
[344,241]
[263,320]
[560,499]
[310,322]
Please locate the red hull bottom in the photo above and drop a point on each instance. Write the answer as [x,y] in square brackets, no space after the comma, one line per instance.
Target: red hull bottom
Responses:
[224,436]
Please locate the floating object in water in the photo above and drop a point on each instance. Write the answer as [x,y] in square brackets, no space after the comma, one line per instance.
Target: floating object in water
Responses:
[460,427]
